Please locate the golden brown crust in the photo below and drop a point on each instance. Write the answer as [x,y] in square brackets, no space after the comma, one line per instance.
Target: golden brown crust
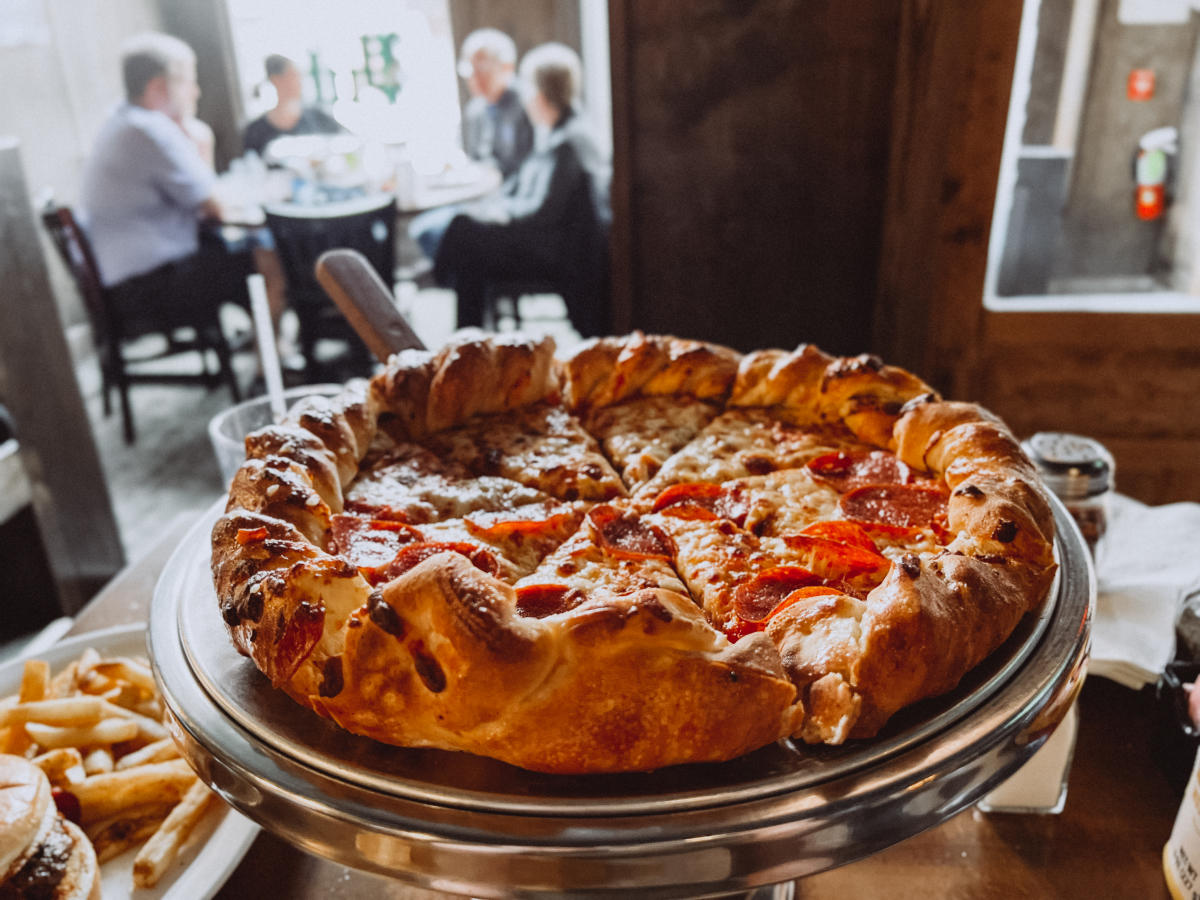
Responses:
[278,487]
[859,392]
[345,424]
[930,623]
[305,449]
[778,378]
[440,656]
[423,393]
[867,396]
[280,596]
[608,370]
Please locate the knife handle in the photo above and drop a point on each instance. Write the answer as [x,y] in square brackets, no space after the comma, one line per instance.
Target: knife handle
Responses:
[358,291]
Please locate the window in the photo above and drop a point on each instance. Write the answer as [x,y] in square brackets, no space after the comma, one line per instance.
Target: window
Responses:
[384,70]
[1098,206]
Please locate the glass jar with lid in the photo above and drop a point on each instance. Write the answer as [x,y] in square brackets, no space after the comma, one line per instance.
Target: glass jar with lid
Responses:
[1081,471]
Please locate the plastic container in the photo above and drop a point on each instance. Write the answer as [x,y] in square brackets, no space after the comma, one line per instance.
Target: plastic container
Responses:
[1081,472]
[227,430]
[1039,786]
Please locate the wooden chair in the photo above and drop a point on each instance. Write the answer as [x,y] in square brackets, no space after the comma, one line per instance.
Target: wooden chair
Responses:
[586,296]
[112,333]
[503,300]
[302,234]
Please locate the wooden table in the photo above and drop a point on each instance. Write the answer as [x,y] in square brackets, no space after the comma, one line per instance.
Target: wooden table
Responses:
[1124,791]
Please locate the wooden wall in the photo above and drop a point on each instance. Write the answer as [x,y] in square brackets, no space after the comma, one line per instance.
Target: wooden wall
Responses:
[1131,381]
[749,164]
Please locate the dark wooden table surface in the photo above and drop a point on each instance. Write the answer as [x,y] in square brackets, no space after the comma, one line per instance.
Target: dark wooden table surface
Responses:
[1125,787]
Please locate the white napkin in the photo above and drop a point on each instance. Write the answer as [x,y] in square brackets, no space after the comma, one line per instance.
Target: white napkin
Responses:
[1146,564]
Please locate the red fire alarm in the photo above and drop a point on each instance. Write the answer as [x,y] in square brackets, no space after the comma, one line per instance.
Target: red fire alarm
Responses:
[1140,85]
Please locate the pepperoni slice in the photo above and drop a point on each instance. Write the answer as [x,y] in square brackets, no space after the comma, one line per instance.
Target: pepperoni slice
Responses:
[843,532]
[903,505]
[702,500]
[847,471]
[540,600]
[754,600]
[545,519]
[251,535]
[803,593]
[625,535]
[739,628]
[834,559]
[414,554]
[300,635]
[370,544]
[892,532]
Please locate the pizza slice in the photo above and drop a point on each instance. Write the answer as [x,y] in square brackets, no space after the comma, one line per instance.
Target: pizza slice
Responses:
[741,578]
[639,435]
[739,443]
[540,446]
[411,484]
[506,543]
[614,552]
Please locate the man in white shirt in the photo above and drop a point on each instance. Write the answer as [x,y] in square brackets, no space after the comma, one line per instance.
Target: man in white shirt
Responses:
[148,185]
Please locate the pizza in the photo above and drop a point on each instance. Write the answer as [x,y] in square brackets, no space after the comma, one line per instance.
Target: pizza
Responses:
[651,552]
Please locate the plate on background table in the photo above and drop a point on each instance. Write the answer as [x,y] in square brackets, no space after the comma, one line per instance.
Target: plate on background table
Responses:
[218,843]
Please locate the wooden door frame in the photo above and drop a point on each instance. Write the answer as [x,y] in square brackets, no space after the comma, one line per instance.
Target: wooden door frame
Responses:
[950,109]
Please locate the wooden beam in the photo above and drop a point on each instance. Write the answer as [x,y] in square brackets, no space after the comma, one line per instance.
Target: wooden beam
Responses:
[949,110]
[37,384]
[621,188]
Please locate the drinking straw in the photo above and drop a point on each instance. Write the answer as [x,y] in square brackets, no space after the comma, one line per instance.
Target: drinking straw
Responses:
[264,333]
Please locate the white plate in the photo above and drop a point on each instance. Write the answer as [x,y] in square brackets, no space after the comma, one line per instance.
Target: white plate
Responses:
[219,841]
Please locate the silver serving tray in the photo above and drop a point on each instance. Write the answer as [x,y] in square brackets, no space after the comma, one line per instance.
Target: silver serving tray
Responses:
[466,824]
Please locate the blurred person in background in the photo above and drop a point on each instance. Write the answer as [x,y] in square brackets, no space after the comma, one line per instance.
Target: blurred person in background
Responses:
[496,127]
[147,187]
[289,116]
[550,221]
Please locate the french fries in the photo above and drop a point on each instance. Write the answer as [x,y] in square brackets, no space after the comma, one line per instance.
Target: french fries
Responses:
[152,860]
[105,795]
[35,681]
[60,711]
[159,751]
[110,731]
[95,728]
[63,766]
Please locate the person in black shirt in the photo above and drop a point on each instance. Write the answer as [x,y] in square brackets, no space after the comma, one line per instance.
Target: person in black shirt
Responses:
[289,116]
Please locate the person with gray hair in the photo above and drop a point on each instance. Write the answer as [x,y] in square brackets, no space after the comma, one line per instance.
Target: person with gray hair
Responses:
[495,126]
[146,184]
[550,222]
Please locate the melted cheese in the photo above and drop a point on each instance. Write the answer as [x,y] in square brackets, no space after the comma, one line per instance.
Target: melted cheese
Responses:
[739,443]
[522,550]
[640,435]
[582,564]
[425,488]
[542,447]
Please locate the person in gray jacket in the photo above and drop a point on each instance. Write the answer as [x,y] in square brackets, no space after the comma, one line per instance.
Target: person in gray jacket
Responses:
[495,126]
[550,223]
